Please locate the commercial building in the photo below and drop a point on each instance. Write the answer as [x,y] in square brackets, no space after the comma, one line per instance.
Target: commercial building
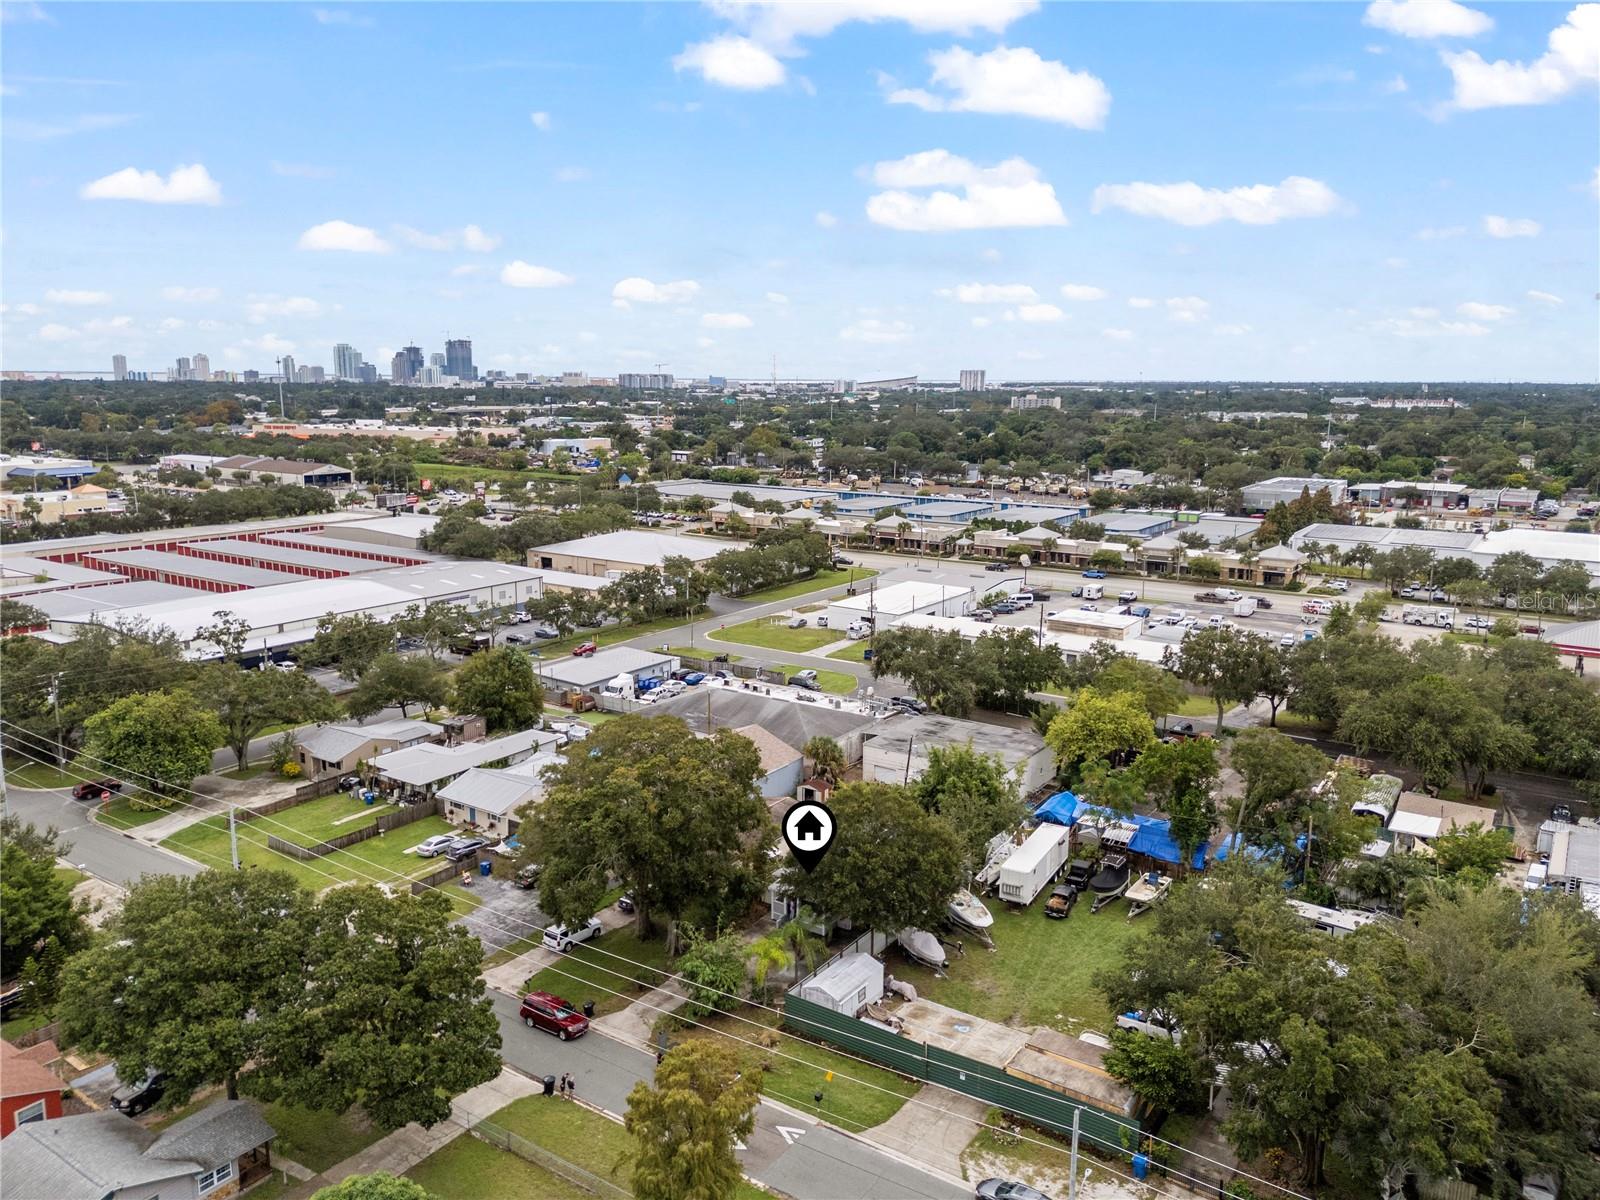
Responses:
[584,447]
[184,570]
[119,367]
[1031,400]
[592,672]
[888,605]
[398,538]
[1258,497]
[624,550]
[1580,641]
[896,750]
[286,470]
[49,508]
[458,359]
[1107,626]
[202,367]
[973,381]
[630,381]
[1547,546]
[346,362]
[62,472]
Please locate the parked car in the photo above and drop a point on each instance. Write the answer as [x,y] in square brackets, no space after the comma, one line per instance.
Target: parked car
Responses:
[131,1099]
[797,622]
[1127,597]
[408,643]
[668,690]
[1090,574]
[1006,1189]
[982,614]
[822,622]
[584,649]
[559,937]
[1562,813]
[910,703]
[840,560]
[527,878]
[96,789]
[517,639]
[545,631]
[1286,640]
[1062,898]
[997,566]
[463,848]
[800,681]
[1339,585]
[1076,592]
[436,845]
[694,677]
[549,1012]
[1477,622]
[1004,606]
[625,902]
[521,618]
[807,674]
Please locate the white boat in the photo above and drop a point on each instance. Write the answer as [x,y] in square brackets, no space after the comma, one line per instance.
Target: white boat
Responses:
[966,909]
[924,947]
[1145,891]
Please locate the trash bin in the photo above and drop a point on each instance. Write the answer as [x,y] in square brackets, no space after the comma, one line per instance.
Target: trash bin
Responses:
[588,1008]
[1141,1166]
[486,868]
[549,1085]
[369,797]
[866,655]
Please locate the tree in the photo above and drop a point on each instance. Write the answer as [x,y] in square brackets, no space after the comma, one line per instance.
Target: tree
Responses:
[389,1011]
[35,904]
[688,1124]
[675,816]
[1226,662]
[227,633]
[975,792]
[190,970]
[1203,566]
[931,663]
[1107,560]
[499,686]
[1160,1071]
[1099,729]
[1008,666]
[379,1185]
[350,644]
[162,740]
[1276,769]
[247,702]
[827,758]
[713,970]
[1178,778]
[1157,688]
[399,681]
[1472,849]
[892,864]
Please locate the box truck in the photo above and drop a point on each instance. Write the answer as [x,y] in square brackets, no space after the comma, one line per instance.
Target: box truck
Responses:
[1245,606]
[1034,864]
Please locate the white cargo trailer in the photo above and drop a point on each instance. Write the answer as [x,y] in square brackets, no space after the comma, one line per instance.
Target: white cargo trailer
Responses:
[1244,606]
[1034,864]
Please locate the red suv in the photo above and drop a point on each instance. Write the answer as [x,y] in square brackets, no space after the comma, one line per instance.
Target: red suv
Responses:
[99,789]
[542,1010]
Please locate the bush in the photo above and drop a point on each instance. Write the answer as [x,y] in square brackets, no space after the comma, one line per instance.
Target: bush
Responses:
[290,770]
[1294,585]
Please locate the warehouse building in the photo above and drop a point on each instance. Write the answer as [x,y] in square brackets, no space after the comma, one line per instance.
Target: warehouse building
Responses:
[1547,546]
[58,472]
[623,551]
[184,570]
[591,673]
[1258,497]
[896,751]
[403,531]
[286,470]
[1109,626]
[276,556]
[890,604]
[104,602]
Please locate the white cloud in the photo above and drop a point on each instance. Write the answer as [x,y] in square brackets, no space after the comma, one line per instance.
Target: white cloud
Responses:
[301,170]
[1190,204]
[636,290]
[192,295]
[21,13]
[466,269]
[1441,233]
[1118,335]
[777,298]
[725,320]
[541,121]
[338,16]
[56,333]
[989,293]
[982,322]
[207,324]
[571,174]
[1082,291]
[1396,264]
[186,185]
[1426,18]
[1008,195]
[826,219]
[705,343]
[1545,298]
[519,274]
[1423,314]
[23,310]
[1140,302]
[1410,327]
[1231,330]
[341,235]
[1395,87]
[269,343]
[1511,227]
[1572,60]
[877,332]
[1014,81]
[731,61]
[470,238]
[477,241]
[1188,308]
[172,324]
[1478,311]
[46,131]
[77,297]
[304,307]
[1036,313]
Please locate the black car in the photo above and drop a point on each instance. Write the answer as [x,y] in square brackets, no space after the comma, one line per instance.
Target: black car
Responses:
[131,1099]
[1562,813]
[910,703]
[464,848]
[1263,602]
[997,566]
[800,681]
[1006,1189]
[840,560]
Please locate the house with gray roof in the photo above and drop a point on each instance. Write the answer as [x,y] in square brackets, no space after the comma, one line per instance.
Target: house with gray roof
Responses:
[339,749]
[218,1151]
[489,799]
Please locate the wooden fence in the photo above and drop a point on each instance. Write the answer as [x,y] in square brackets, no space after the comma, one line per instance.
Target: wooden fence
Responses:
[383,824]
[440,874]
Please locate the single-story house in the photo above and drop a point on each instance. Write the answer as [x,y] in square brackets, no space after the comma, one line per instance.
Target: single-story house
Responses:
[29,1090]
[1421,818]
[339,749]
[781,764]
[793,722]
[216,1152]
[896,751]
[489,798]
[418,772]
[592,673]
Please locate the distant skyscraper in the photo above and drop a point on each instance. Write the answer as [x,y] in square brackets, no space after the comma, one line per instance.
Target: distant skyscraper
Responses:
[314,374]
[366,372]
[436,360]
[346,361]
[973,381]
[286,368]
[413,355]
[202,367]
[119,366]
[631,382]
[399,369]
[181,371]
[251,376]
[458,358]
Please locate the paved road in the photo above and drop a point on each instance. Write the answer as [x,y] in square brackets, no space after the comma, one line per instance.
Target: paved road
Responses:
[793,1154]
[100,851]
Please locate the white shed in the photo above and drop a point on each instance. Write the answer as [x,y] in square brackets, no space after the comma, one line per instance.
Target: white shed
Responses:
[846,985]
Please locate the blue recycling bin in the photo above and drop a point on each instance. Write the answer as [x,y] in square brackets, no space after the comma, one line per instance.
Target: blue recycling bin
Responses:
[1141,1166]
[866,655]
[486,868]
[369,798]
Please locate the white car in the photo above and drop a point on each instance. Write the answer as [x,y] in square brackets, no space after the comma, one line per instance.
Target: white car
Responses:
[667,690]
[1286,640]
[1339,585]
[562,939]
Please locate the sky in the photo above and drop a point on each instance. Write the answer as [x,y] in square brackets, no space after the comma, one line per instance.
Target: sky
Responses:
[1407,189]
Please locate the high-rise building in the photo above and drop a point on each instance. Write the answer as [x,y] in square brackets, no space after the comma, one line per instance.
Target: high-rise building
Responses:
[630,382]
[366,372]
[251,376]
[202,367]
[413,361]
[399,369]
[181,371]
[119,366]
[286,368]
[1032,400]
[458,358]
[314,374]
[436,360]
[346,361]
[973,381]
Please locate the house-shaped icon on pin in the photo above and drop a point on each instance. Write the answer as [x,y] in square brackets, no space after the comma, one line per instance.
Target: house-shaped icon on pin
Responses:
[808,828]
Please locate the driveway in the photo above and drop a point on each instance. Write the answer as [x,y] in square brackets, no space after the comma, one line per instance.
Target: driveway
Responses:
[506,914]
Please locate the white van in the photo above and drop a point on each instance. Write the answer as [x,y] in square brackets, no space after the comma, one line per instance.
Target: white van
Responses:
[1023,599]
[1093,591]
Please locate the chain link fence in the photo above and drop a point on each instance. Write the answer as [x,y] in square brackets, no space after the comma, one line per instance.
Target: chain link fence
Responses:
[516,1144]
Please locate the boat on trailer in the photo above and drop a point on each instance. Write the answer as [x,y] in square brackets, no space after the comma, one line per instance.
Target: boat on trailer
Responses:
[1110,881]
[924,947]
[967,910]
[1148,890]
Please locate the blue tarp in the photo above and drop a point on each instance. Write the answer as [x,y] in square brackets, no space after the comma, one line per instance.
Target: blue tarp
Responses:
[1153,836]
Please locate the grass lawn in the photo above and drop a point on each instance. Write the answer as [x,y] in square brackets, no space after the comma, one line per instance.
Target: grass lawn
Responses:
[1290,722]
[1022,1157]
[1196,706]
[773,633]
[468,1169]
[38,775]
[705,652]
[71,876]
[608,635]
[26,1023]
[379,859]
[587,975]
[837,682]
[584,1138]
[851,653]
[854,1103]
[819,581]
[119,813]
[1040,971]
[317,1139]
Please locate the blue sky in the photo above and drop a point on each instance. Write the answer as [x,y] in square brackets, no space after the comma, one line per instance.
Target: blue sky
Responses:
[1401,190]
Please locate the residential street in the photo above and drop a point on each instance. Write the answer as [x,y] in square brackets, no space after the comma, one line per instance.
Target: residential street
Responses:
[100,851]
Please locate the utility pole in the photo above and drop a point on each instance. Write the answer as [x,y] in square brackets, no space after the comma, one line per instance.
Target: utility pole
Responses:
[1072,1167]
[233,837]
[280,389]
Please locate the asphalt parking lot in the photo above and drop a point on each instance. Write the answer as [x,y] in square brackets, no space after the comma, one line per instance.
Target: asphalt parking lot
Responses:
[506,914]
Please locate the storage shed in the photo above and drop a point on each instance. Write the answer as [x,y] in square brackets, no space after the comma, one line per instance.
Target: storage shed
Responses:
[846,985]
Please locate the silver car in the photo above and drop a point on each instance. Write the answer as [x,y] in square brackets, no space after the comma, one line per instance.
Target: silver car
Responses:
[435,845]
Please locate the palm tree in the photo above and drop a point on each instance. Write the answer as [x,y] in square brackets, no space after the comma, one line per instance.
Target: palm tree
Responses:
[771,953]
[803,946]
[827,758]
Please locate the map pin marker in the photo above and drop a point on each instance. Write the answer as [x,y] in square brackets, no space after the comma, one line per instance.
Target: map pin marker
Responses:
[808,830]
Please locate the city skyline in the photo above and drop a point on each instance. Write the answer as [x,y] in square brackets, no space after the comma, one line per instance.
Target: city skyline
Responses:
[1394,190]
